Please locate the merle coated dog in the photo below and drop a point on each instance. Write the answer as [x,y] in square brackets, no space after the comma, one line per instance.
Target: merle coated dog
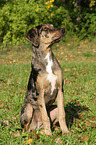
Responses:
[45,83]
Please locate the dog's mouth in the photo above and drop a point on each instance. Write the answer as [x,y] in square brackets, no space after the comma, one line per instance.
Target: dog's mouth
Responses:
[62,36]
[58,39]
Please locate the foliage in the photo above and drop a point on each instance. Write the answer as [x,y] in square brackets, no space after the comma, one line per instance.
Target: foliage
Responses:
[17,17]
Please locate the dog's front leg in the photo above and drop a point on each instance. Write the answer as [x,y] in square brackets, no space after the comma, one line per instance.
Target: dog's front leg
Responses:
[44,115]
[61,112]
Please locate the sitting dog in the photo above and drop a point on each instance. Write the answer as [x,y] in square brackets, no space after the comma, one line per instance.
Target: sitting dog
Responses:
[45,82]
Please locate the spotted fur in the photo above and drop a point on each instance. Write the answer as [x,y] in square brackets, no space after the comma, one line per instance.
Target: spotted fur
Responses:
[45,82]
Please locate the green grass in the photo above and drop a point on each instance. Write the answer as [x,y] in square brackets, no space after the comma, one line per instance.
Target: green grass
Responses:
[77,60]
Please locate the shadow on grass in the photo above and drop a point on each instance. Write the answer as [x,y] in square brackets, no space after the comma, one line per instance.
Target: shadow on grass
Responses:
[73,110]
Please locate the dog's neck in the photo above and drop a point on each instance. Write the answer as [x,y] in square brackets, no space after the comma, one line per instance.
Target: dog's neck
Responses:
[45,48]
[42,57]
[41,52]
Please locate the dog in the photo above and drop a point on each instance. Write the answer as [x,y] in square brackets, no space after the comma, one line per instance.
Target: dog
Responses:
[45,83]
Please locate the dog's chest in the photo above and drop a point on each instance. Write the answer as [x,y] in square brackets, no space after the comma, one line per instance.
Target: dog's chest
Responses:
[50,77]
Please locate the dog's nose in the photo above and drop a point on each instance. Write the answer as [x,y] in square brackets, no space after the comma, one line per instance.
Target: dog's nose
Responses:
[62,30]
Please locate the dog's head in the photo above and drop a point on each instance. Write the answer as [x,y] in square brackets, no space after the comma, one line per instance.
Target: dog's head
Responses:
[45,34]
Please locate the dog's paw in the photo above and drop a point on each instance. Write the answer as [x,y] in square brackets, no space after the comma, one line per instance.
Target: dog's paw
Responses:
[46,132]
[65,130]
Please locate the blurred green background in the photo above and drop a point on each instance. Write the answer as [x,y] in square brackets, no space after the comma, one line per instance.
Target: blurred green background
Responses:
[78,17]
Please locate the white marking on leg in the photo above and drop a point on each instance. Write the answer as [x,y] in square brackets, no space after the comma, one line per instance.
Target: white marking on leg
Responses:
[51,77]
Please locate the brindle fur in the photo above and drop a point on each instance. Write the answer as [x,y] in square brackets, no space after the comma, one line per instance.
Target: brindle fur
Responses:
[37,111]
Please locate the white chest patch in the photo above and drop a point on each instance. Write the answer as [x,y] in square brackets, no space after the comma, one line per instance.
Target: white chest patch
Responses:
[51,77]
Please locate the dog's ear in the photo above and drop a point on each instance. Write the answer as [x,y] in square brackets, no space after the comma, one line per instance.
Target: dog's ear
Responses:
[33,36]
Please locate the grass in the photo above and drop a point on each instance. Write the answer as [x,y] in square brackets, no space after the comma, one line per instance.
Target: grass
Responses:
[77,60]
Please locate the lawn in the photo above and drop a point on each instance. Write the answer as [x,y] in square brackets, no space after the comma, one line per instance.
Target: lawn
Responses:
[78,62]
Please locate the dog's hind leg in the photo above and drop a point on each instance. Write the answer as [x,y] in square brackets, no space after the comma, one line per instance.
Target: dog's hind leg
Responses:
[36,122]
[26,115]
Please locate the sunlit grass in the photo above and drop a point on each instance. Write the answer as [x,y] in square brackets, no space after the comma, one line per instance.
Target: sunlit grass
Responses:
[78,64]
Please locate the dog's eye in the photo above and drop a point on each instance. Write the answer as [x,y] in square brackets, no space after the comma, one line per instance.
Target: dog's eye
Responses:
[45,28]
